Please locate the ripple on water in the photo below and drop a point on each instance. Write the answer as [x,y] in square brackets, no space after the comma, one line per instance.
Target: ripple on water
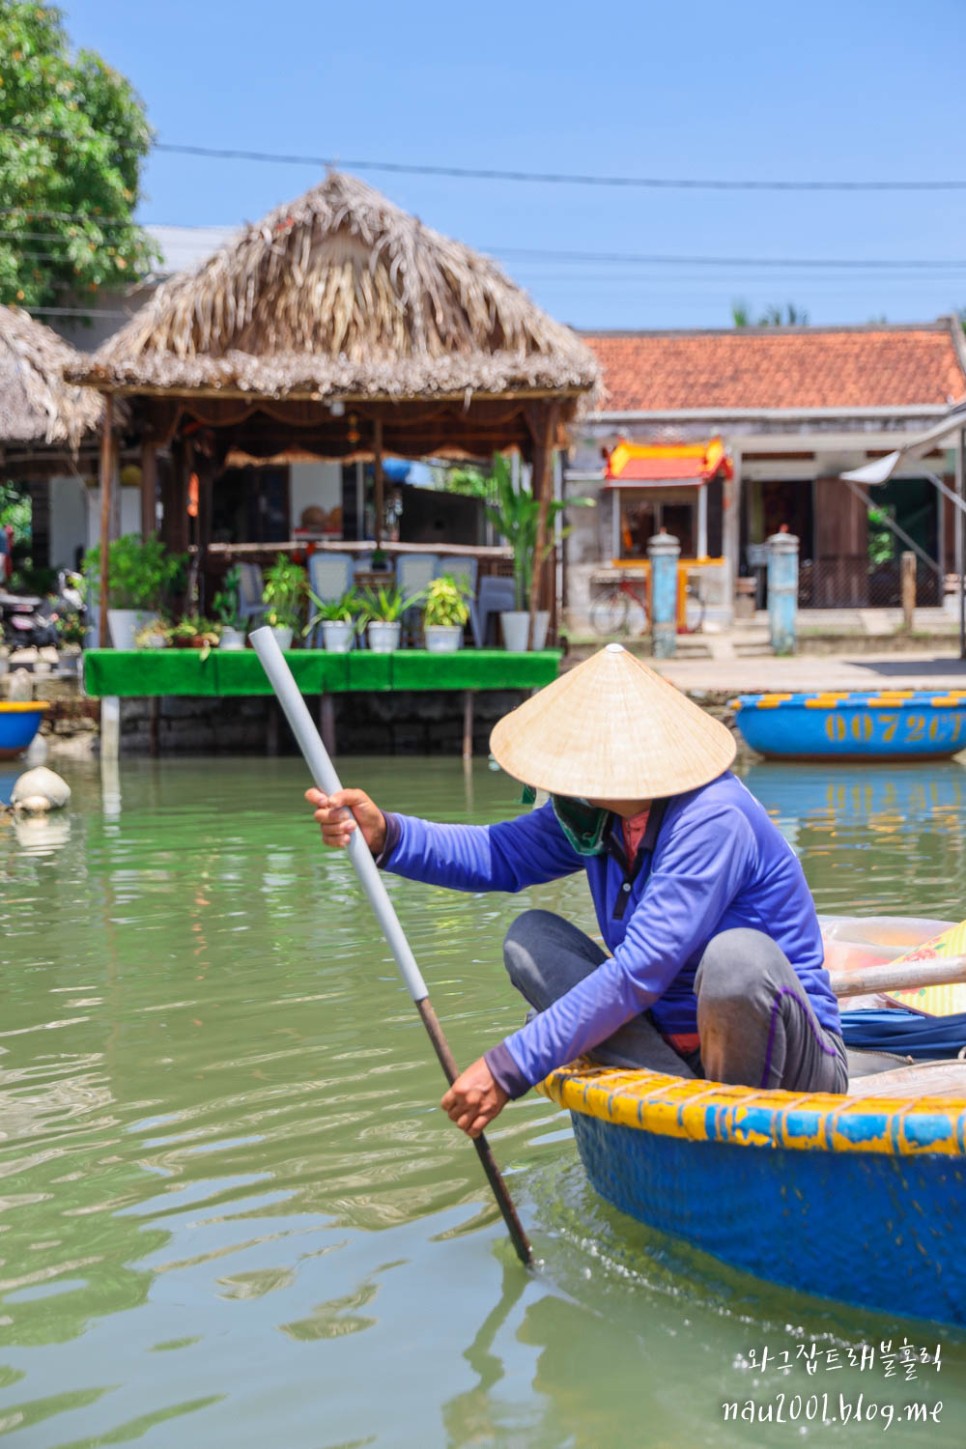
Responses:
[226,1176]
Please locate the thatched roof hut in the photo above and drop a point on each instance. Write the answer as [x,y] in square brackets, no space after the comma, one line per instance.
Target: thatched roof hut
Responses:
[343,295]
[38,409]
[337,327]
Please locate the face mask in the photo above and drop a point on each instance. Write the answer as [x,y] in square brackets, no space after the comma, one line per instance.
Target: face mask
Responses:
[582,823]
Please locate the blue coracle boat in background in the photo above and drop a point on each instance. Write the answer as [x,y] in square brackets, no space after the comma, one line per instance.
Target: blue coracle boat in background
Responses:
[879,725]
[19,722]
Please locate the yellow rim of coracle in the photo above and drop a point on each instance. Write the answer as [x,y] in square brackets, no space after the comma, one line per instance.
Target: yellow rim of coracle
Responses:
[699,1111]
[23,706]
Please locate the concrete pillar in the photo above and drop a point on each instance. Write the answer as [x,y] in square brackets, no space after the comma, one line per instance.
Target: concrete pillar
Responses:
[663,550]
[110,727]
[907,576]
[782,591]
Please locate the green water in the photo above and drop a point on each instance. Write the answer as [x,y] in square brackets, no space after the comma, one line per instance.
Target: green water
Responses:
[230,1213]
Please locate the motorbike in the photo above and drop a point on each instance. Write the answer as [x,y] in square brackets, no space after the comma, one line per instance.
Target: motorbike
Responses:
[27,621]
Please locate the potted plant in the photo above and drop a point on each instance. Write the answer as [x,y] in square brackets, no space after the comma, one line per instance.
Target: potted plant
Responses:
[194,631]
[227,609]
[445,612]
[71,632]
[152,635]
[383,609]
[338,619]
[283,595]
[140,574]
[515,514]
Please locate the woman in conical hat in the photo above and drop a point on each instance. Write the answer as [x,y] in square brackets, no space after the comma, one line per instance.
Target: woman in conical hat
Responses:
[713,966]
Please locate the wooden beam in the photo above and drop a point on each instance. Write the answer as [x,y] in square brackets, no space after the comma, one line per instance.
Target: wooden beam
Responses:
[149,488]
[380,482]
[107,483]
[543,424]
[468,698]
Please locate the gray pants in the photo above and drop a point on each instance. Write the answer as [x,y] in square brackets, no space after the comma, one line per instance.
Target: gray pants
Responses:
[755,1021]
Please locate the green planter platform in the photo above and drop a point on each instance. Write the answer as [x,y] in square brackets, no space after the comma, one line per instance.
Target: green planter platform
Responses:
[114,674]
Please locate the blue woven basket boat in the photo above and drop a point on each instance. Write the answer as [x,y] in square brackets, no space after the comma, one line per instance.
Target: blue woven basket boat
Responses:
[854,1198]
[19,722]
[883,725]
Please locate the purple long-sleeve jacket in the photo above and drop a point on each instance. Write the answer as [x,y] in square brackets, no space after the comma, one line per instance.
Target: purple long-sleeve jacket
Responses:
[710,860]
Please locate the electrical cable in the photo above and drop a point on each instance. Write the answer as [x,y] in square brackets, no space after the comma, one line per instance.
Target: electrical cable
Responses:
[490,173]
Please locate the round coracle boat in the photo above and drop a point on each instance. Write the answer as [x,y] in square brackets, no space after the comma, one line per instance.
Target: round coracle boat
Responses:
[19,722]
[883,725]
[856,1197]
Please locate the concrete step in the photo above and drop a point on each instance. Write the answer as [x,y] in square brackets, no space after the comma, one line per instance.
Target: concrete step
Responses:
[751,649]
[694,646]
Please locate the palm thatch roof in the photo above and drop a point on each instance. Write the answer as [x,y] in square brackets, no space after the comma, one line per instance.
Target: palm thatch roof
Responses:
[37,405]
[342,294]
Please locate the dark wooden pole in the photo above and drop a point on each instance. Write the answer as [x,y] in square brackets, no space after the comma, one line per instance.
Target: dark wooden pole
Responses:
[205,469]
[543,429]
[107,484]
[468,697]
[380,481]
[149,488]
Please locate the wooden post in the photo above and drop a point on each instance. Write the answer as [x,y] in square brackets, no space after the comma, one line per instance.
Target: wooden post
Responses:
[107,483]
[154,726]
[380,482]
[543,429]
[960,536]
[467,724]
[908,567]
[327,722]
[205,469]
[149,488]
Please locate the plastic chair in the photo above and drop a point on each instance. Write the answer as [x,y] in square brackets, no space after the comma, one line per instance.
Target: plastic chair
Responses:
[330,576]
[251,586]
[495,595]
[414,571]
[464,570]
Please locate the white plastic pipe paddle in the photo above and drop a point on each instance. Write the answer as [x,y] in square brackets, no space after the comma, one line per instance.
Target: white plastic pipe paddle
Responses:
[323,773]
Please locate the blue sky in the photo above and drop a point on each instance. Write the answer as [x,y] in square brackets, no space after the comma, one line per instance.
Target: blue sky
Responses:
[856,89]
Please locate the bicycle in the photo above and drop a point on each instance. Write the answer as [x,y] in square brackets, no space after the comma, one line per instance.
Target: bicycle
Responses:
[620,608]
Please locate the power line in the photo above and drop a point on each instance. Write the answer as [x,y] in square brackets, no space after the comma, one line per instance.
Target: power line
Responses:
[493,173]
[552,178]
[92,313]
[657,259]
[549,254]
[33,213]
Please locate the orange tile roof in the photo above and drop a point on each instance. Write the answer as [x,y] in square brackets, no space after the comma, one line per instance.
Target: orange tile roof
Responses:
[780,367]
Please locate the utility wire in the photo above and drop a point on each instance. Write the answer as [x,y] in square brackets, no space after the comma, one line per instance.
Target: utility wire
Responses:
[491,173]
[549,254]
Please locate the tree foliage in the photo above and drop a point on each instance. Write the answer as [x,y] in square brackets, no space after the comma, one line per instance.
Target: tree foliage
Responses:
[787,316]
[73,135]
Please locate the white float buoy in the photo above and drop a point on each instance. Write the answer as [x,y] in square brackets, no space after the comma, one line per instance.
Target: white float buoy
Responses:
[39,790]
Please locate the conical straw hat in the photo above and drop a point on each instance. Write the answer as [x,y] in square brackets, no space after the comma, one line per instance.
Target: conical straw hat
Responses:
[612,729]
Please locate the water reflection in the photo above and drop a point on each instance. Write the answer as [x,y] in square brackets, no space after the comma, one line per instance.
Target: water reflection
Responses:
[42,834]
[888,838]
